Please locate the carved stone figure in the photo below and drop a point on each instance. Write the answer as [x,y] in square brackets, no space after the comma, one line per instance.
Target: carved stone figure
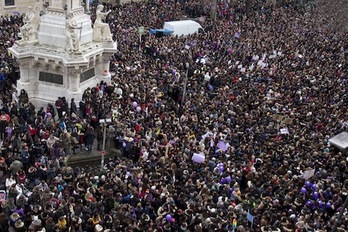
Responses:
[72,39]
[31,24]
[101,31]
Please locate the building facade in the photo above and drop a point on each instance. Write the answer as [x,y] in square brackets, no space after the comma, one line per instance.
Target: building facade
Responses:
[10,7]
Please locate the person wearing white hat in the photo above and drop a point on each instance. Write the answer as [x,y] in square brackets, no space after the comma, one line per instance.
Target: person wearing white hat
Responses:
[19,226]
[14,218]
[98,228]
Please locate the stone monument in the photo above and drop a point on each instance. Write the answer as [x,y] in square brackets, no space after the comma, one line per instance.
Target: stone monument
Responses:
[60,54]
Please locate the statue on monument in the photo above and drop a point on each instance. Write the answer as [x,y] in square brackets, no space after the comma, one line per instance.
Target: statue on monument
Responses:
[101,31]
[31,24]
[72,40]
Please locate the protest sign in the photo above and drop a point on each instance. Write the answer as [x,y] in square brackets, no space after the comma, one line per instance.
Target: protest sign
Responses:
[284,131]
[308,174]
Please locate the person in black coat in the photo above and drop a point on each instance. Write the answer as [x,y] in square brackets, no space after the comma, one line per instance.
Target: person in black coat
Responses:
[3,125]
[59,106]
[73,107]
[65,106]
[41,112]
[50,109]
[23,97]
[82,106]
[4,226]
[99,132]
[89,135]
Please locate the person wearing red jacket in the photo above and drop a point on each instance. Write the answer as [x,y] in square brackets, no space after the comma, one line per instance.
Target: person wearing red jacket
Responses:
[21,177]
[32,130]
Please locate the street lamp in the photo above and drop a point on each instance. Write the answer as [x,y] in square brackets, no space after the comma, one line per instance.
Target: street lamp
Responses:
[185,83]
[187,65]
[104,123]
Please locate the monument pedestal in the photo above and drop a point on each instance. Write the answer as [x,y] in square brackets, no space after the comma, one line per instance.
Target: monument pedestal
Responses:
[49,69]
[53,29]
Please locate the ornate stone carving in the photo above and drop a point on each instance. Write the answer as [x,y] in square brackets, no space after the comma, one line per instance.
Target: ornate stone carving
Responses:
[101,31]
[31,24]
[73,78]
[72,39]
[73,72]
[24,62]
[47,67]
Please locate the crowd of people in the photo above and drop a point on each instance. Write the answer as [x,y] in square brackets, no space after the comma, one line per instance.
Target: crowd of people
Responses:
[221,131]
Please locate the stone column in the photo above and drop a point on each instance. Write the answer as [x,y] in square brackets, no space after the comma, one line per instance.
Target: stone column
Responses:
[58,4]
[73,76]
[25,67]
[28,76]
[102,69]
[106,65]
[87,6]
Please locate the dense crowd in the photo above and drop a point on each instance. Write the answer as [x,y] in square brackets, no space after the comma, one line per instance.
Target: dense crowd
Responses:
[219,131]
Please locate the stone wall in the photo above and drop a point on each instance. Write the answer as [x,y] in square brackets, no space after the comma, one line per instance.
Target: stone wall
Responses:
[20,6]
